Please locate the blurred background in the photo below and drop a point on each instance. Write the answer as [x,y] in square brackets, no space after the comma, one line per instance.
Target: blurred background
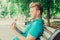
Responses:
[19,9]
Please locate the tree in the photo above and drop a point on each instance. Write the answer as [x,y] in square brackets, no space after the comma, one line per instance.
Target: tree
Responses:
[50,7]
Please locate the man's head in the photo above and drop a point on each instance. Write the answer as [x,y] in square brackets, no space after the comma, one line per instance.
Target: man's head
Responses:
[35,9]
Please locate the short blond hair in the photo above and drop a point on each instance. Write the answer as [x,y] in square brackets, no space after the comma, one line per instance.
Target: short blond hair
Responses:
[36,4]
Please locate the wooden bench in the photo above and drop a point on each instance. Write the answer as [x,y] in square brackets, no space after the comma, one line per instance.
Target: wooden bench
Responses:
[48,31]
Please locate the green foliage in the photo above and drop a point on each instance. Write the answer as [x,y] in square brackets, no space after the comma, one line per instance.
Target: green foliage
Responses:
[23,7]
[4,12]
[12,10]
[54,6]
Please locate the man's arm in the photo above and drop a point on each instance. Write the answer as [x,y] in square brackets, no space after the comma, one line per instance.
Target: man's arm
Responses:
[29,37]
[21,29]
[13,26]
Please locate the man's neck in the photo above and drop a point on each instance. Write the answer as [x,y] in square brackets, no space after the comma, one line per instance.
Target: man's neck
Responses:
[37,17]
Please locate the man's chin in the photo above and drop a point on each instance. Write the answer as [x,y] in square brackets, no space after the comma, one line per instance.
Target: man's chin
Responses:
[33,18]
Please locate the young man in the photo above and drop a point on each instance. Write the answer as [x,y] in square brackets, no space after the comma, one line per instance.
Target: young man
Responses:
[35,28]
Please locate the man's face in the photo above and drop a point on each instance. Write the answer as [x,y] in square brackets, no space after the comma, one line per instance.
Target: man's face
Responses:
[33,12]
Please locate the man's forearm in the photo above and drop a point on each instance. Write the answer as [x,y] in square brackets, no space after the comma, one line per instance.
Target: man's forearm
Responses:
[20,36]
[21,29]
[14,28]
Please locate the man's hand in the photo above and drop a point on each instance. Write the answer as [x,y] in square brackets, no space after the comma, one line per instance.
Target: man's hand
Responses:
[13,26]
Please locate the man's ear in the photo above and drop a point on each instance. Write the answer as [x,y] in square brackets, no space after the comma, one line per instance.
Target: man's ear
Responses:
[38,11]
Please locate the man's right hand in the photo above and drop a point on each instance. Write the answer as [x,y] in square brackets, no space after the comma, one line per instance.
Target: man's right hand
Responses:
[13,26]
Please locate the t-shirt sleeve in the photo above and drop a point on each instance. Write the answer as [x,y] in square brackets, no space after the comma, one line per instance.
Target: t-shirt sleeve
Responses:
[36,29]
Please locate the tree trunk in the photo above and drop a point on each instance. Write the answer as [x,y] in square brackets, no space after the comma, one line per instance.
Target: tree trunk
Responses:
[48,16]
[48,12]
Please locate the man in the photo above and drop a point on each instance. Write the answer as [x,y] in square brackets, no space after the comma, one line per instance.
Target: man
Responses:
[35,28]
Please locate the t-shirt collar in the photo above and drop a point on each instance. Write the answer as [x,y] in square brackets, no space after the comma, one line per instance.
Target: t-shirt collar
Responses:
[36,19]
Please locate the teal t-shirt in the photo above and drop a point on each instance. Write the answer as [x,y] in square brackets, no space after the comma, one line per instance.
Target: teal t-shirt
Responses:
[34,28]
